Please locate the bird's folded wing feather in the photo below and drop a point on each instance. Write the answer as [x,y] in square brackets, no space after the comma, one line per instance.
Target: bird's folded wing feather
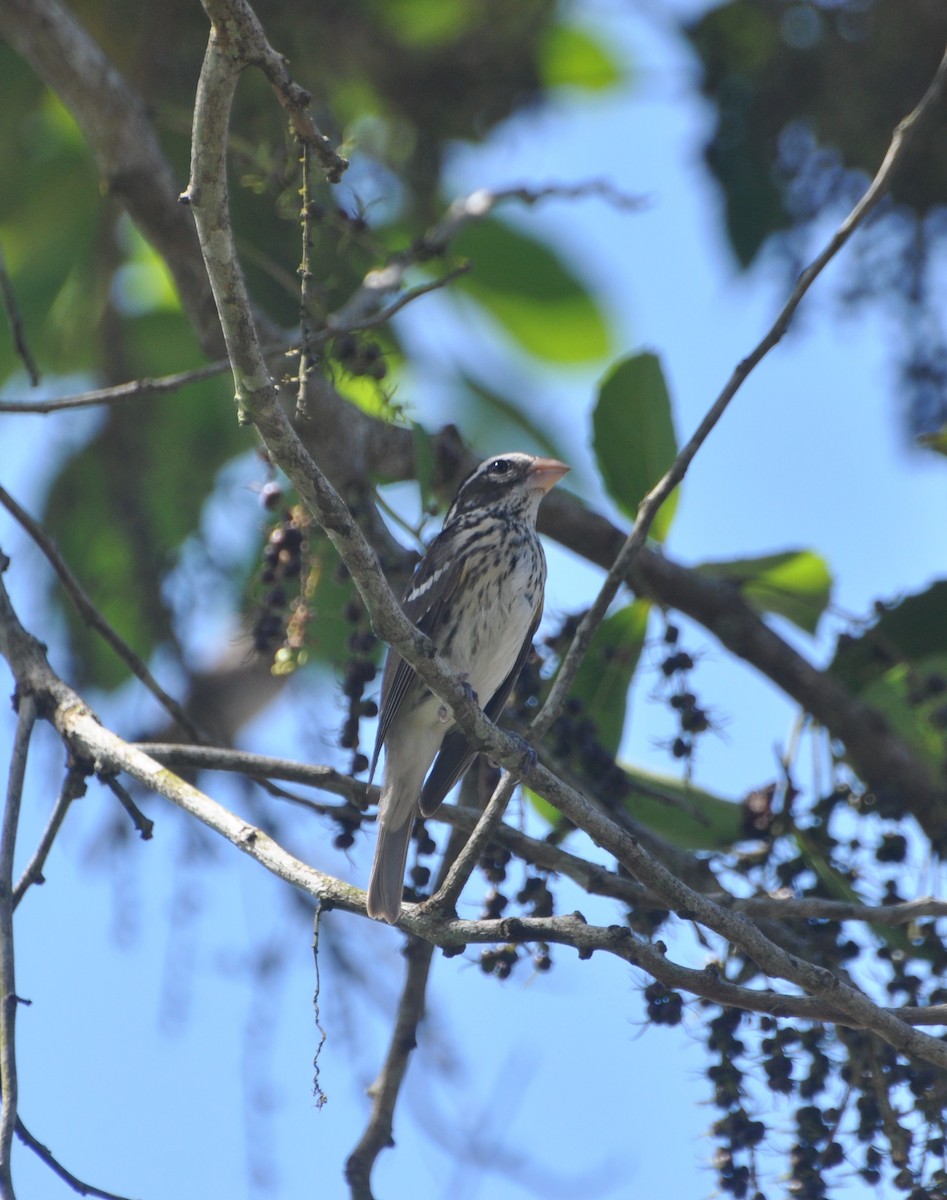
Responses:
[431,588]
[456,753]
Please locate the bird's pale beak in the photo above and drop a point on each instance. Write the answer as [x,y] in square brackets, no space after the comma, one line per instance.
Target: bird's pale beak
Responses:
[545,473]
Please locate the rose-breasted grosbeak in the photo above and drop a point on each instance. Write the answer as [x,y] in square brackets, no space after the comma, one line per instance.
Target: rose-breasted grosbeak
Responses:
[478,594]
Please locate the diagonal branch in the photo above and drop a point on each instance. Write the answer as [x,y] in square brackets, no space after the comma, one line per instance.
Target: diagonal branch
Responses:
[594,878]
[827,999]
[94,619]
[444,900]
[900,142]
[15,321]
[45,1155]
[73,787]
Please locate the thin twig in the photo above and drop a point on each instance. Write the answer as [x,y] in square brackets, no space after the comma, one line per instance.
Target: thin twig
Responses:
[8,998]
[137,389]
[480,203]
[239,30]
[73,1181]
[384,1091]
[593,878]
[444,900]
[649,506]
[15,321]
[74,786]
[305,294]
[93,618]
[318,1093]
[257,766]
[361,311]
[144,825]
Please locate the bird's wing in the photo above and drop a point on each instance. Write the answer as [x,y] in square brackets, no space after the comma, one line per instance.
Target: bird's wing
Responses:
[430,589]
[456,754]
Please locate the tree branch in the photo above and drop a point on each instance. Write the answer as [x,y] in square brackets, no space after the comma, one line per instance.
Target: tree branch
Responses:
[649,506]
[15,321]
[45,1155]
[114,122]
[94,619]
[594,878]
[241,35]
[444,900]
[9,1001]
[72,788]
[829,999]
[384,1091]
[137,389]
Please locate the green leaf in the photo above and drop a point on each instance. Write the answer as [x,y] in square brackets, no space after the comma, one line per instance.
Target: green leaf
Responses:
[419,23]
[682,814]
[911,631]
[120,507]
[633,436]
[423,445]
[572,57]
[899,667]
[795,584]
[530,291]
[837,887]
[605,675]
[936,441]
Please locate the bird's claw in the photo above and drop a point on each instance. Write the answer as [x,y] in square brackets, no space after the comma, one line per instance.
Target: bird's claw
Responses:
[444,714]
[527,756]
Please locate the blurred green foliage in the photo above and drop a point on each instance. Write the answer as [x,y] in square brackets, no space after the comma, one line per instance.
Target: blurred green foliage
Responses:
[397,82]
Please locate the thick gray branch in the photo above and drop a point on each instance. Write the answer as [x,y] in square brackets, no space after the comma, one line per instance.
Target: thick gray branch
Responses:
[113,119]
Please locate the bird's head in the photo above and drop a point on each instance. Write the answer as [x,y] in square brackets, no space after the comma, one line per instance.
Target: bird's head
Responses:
[511,481]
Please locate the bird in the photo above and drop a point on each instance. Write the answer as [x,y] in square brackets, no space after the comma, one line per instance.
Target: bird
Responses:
[478,595]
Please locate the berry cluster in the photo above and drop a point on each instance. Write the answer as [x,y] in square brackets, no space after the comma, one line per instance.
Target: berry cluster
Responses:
[283,554]
[500,960]
[338,218]
[692,719]
[360,670]
[533,899]
[360,356]
[664,1005]
[419,874]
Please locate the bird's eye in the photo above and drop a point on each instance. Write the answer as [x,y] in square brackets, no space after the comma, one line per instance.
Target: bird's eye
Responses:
[500,466]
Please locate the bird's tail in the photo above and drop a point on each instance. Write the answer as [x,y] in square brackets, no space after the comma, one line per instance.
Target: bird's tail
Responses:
[387,878]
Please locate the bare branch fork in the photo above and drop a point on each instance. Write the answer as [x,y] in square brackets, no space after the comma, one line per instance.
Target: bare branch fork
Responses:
[591,877]
[237,40]
[258,402]
[828,998]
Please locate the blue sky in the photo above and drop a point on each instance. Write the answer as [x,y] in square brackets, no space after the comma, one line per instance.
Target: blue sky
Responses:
[135,1052]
